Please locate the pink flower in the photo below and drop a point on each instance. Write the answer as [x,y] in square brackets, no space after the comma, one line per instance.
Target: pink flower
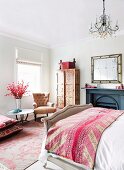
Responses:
[17,90]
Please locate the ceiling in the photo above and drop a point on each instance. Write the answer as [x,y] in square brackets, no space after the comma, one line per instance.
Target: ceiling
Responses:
[53,22]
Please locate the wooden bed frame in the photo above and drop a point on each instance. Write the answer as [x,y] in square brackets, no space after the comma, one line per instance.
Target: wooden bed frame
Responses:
[49,121]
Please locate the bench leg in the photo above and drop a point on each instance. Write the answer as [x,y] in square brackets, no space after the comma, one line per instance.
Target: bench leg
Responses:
[35,117]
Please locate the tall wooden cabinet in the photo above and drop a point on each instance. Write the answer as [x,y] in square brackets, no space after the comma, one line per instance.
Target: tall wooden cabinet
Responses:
[68,87]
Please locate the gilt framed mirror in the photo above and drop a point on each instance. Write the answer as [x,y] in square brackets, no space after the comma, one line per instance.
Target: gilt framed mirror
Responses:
[106,69]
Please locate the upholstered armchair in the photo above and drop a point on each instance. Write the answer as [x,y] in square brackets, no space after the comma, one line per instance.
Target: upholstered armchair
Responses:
[42,105]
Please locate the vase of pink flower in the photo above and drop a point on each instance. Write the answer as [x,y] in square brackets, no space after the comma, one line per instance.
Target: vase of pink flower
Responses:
[17,90]
[18,106]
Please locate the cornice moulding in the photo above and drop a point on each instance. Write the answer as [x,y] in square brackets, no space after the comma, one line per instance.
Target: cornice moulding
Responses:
[57,45]
[84,40]
[16,37]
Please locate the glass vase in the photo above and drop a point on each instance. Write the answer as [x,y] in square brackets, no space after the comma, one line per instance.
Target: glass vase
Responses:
[18,106]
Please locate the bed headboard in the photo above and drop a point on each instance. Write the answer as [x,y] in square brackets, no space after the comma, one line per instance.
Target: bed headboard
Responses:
[63,113]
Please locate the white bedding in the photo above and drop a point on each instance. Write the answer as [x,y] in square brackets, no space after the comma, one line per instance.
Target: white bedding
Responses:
[110,153]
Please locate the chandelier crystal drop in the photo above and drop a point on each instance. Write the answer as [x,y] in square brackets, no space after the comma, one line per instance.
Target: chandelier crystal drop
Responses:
[102,28]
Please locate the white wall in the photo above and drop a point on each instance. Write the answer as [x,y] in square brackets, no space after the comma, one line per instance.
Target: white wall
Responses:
[7,71]
[83,51]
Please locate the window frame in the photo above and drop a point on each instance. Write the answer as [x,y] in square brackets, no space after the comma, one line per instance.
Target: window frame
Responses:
[29,63]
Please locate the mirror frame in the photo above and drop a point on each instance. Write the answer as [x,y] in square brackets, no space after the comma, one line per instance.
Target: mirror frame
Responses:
[119,68]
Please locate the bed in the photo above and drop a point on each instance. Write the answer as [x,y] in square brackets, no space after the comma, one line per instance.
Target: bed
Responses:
[109,149]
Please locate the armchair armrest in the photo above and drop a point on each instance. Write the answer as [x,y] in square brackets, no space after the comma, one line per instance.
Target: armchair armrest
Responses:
[35,105]
[50,104]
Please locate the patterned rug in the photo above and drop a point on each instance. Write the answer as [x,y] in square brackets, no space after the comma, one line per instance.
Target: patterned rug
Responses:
[21,150]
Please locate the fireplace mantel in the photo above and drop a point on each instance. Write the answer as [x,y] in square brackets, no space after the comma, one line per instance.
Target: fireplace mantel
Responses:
[102,97]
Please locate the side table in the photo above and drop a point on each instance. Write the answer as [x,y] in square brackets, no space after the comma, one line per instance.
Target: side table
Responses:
[23,114]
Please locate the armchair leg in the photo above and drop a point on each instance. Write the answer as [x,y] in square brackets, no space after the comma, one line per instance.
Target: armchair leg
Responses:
[47,114]
[35,117]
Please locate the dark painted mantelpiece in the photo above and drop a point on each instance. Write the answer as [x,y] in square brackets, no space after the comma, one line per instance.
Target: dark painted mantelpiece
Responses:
[109,98]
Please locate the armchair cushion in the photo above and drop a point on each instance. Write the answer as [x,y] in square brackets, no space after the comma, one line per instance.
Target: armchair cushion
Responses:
[44,110]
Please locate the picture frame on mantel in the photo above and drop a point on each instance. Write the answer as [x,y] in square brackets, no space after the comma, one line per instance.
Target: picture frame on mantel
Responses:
[106,69]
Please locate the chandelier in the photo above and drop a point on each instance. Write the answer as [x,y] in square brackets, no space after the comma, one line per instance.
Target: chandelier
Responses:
[103,28]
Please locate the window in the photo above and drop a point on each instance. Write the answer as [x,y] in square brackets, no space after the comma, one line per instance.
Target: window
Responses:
[30,73]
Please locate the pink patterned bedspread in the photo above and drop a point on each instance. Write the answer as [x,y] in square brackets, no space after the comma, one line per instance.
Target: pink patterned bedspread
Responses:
[77,137]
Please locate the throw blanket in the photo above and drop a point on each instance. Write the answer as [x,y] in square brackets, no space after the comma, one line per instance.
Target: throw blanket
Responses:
[77,137]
